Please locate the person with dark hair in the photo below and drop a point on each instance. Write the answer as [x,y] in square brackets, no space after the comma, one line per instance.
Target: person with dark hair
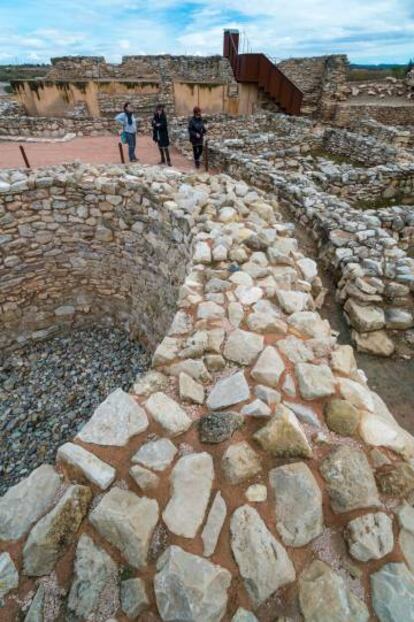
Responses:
[197,130]
[160,133]
[129,129]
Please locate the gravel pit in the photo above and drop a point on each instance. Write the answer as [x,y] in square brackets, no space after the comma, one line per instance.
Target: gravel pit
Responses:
[50,389]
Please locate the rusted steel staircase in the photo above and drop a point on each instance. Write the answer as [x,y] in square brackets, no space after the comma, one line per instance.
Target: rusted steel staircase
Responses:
[260,69]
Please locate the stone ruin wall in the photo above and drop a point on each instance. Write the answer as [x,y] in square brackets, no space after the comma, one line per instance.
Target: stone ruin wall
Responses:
[79,248]
[366,249]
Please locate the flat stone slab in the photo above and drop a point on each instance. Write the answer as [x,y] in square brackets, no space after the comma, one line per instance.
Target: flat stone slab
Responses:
[171,417]
[229,391]
[191,482]
[350,481]
[115,421]
[315,380]
[243,347]
[157,455]
[269,367]
[298,503]
[324,597]
[240,462]
[393,593]
[191,588]
[127,521]
[54,532]
[24,503]
[94,590]
[95,470]
[263,562]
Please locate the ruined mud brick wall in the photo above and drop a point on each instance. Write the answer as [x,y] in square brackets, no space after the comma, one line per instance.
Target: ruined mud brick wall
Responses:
[79,247]
[246,475]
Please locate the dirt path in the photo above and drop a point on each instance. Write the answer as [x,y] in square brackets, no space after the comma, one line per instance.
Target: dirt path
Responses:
[91,149]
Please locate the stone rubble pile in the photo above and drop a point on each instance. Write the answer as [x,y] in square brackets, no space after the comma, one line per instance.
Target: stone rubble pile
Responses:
[251,474]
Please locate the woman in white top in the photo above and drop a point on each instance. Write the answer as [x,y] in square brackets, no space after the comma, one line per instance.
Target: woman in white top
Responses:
[129,127]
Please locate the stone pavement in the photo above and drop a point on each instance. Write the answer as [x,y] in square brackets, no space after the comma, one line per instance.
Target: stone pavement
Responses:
[88,149]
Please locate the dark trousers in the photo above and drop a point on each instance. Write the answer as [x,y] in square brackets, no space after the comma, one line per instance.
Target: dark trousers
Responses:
[197,151]
[131,139]
[165,154]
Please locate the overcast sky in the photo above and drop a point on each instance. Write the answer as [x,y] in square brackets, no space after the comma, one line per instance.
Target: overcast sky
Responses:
[369,31]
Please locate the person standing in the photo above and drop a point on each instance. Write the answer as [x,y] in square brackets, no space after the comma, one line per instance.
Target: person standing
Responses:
[129,129]
[197,130]
[160,133]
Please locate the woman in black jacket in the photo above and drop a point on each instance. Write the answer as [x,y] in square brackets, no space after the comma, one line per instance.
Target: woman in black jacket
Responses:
[160,133]
[196,130]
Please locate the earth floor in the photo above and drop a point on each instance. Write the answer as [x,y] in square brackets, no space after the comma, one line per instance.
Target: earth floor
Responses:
[89,149]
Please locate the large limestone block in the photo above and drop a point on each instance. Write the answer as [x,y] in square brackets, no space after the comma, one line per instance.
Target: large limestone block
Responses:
[115,421]
[263,562]
[95,470]
[127,522]
[240,462]
[315,380]
[376,342]
[214,525]
[283,436]
[324,597]
[9,577]
[173,419]
[229,391]
[370,536]
[24,503]
[54,532]
[364,319]
[393,593]
[351,483]
[243,347]
[298,507]
[94,590]
[341,417]
[269,367]
[191,482]
[190,588]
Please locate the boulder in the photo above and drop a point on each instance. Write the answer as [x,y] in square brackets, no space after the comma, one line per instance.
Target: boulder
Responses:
[283,436]
[94,590]
[229,391]
[115,421]
[24,503]
[156,455]
[127,522]
[324,597]
[94,470]
[370,536]
[54,532]
[375,342]
[393,593]
[298,504]
[171,417]
[263,562]
[315,380]
[350,481]
[240,462]
[190,588]
[364,319]
[191,482]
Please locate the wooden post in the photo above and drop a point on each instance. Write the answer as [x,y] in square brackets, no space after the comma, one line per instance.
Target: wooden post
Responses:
[206,155]
[26,161]
[121,153]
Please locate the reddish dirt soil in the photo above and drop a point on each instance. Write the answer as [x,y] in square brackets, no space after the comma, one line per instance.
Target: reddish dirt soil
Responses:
[91,149]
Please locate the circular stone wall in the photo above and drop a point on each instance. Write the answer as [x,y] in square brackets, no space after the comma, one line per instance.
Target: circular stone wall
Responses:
[90,245]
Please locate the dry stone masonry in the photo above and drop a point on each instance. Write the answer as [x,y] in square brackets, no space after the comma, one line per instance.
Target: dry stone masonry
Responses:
[251,474]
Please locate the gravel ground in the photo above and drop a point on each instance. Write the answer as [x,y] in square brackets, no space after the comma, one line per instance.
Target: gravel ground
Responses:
[48,390]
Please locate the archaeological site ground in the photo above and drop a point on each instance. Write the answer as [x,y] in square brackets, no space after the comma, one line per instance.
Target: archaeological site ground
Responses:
[207,376]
